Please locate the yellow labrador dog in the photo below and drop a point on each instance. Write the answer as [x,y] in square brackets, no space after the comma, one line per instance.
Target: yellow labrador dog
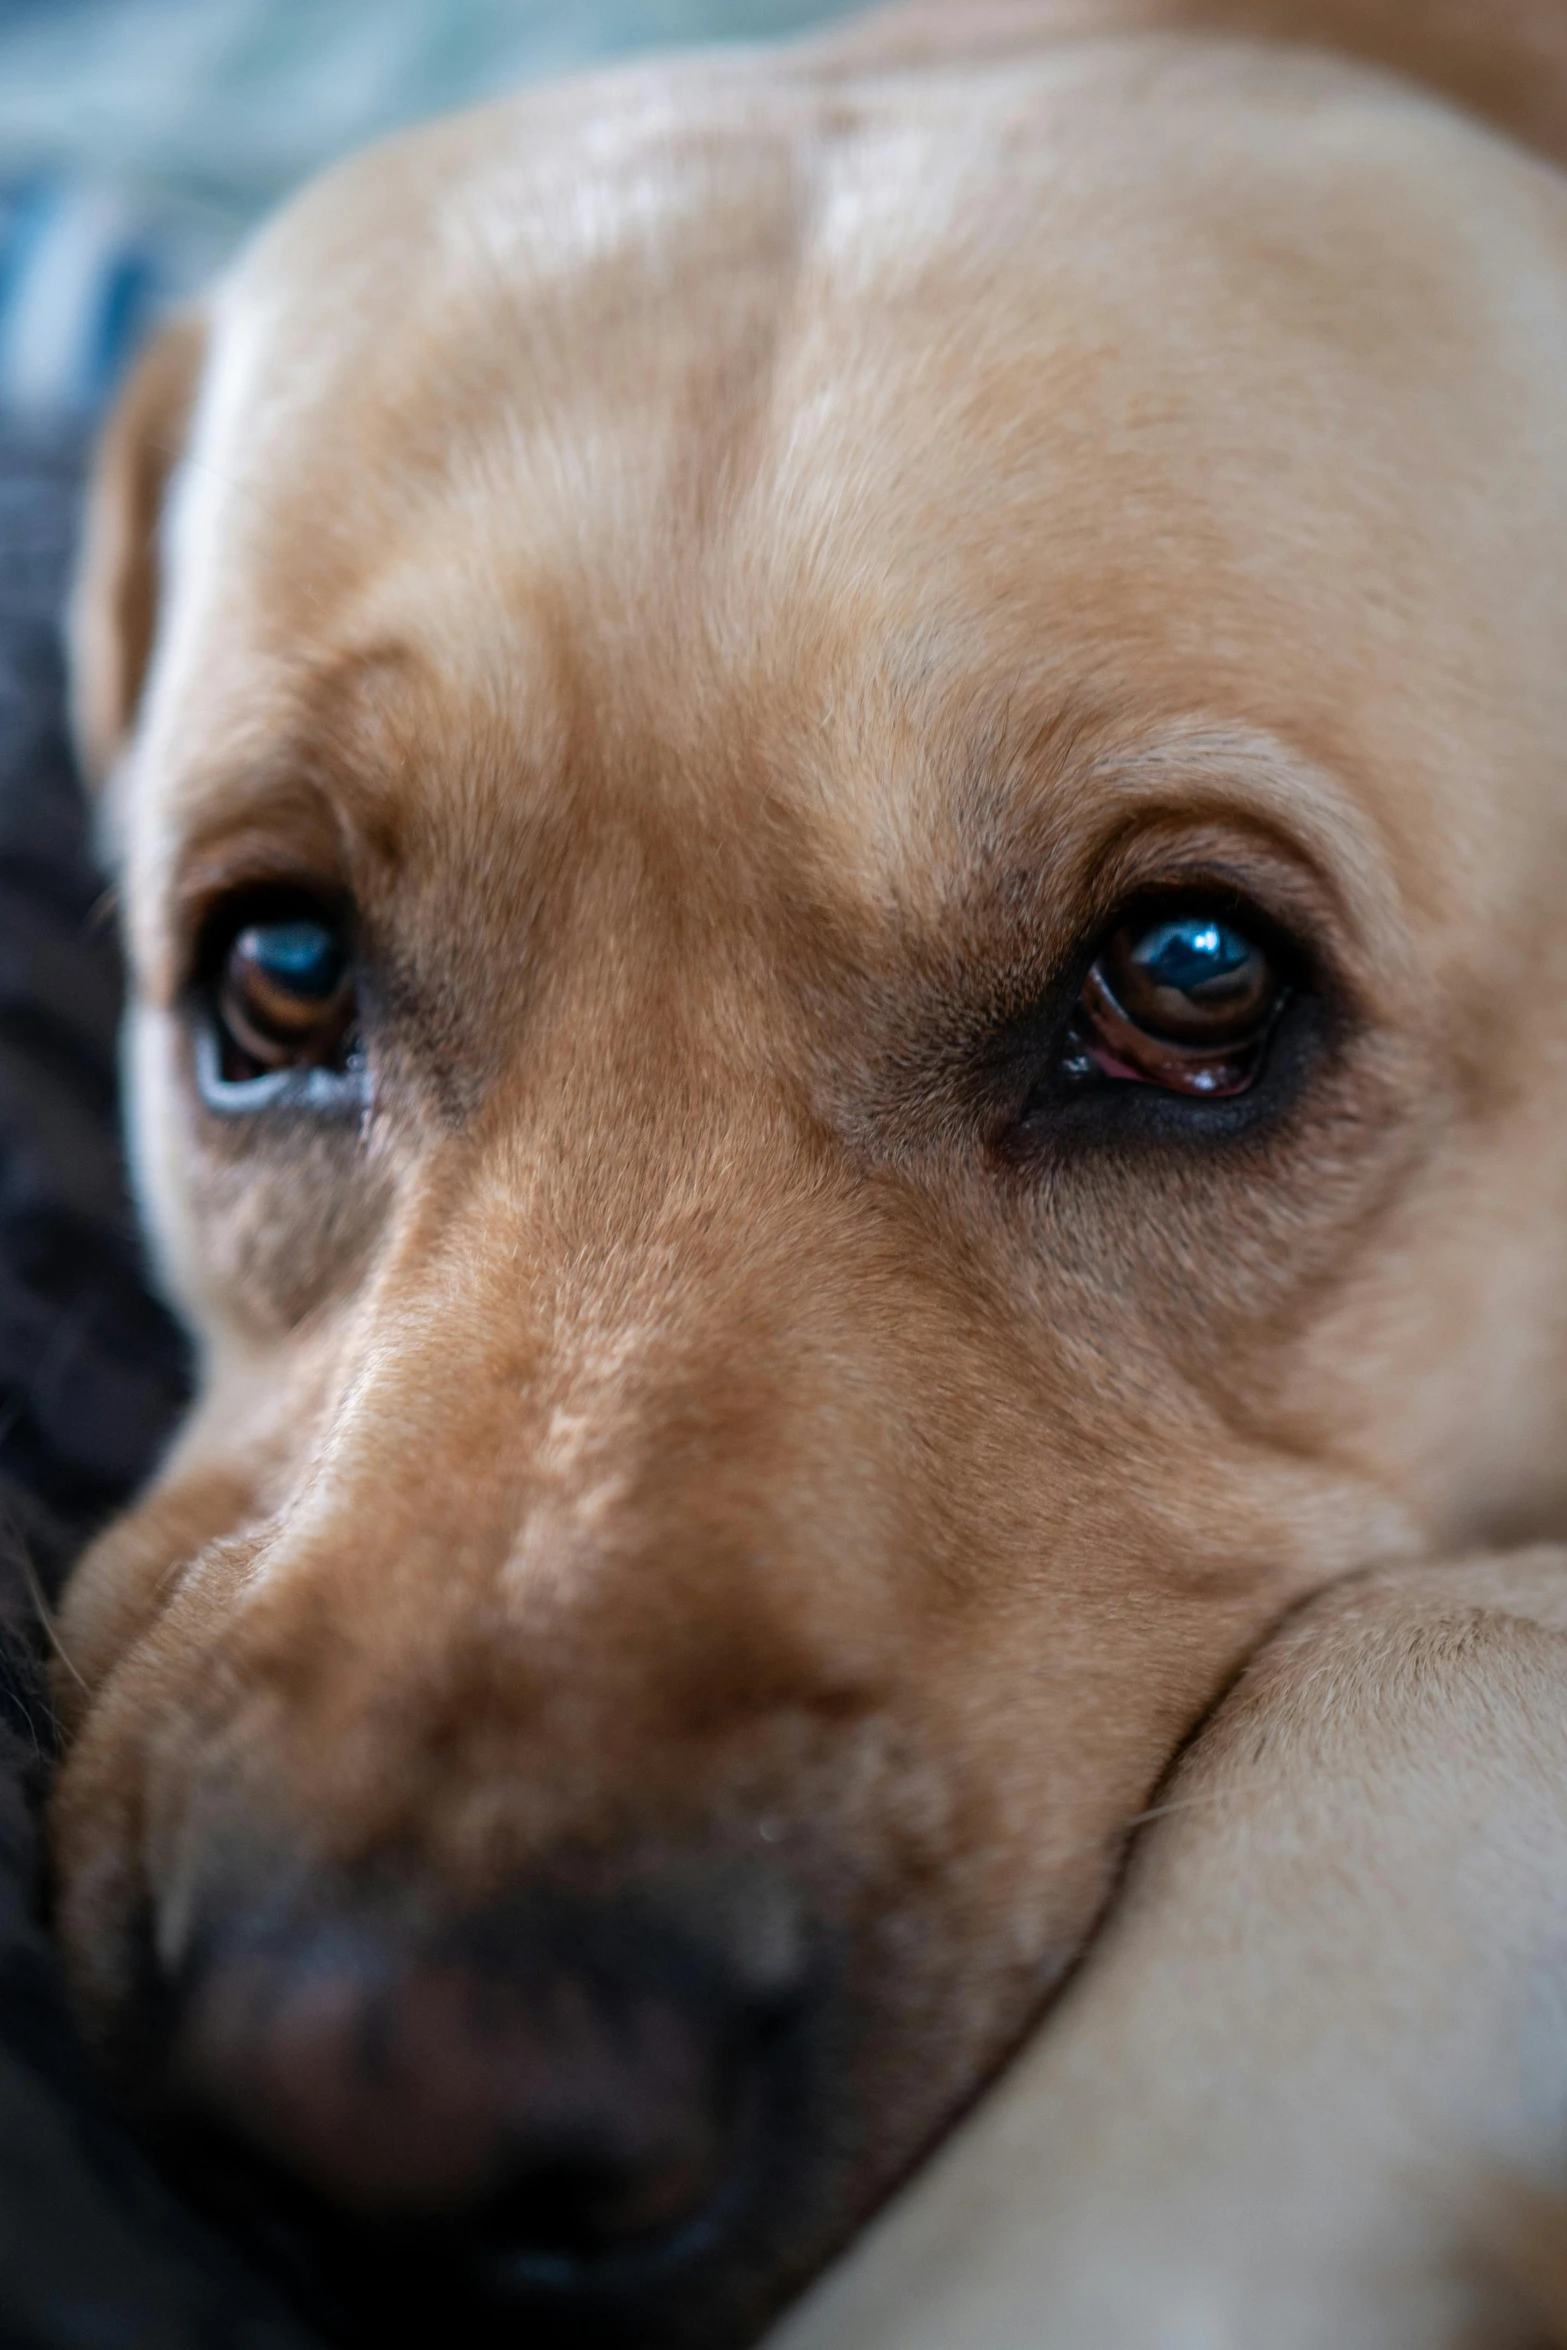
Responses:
[841,790]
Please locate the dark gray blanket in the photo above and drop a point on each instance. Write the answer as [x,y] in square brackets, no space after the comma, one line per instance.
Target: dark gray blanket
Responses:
[97,2251]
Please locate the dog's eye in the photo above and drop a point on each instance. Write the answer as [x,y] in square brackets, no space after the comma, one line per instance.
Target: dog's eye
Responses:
[285,997]
[1183,1000]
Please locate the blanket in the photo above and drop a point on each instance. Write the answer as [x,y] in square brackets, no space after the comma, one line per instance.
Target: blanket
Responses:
[97,2250]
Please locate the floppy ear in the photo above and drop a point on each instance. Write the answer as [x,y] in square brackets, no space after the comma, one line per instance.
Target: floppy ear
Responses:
[114,609]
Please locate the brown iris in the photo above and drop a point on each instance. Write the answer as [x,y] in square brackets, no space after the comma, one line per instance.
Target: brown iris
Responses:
[285,997]
[1183,1000]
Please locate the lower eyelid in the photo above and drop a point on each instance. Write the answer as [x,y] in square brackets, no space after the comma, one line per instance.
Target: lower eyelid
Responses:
[336,1093]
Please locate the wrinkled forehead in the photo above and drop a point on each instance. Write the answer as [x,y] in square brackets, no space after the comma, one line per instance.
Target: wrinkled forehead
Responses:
[764,424]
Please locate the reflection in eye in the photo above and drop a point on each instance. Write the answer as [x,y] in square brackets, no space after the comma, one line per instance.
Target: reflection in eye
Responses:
[1184,1001]
[285,997]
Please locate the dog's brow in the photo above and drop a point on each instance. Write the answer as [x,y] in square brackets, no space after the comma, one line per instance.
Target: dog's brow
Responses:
[298,773]
[256,827]
[281,840]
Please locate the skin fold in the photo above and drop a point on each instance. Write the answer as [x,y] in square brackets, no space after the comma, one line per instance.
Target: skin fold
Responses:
[726,582]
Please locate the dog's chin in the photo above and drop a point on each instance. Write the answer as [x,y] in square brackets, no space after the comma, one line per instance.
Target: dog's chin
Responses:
[710,2283]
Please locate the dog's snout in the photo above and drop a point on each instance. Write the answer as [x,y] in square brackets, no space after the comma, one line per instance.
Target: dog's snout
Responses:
[564,2097]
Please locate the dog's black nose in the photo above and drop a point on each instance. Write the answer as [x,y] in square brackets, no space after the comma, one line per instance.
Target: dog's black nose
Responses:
[566,2096]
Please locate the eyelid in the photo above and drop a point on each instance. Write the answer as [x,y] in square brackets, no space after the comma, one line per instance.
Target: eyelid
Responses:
[1234,863]
[1292,944]
[337,1093]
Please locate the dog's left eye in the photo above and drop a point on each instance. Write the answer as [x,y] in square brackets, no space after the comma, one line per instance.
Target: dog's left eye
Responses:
[284,997]
[1184,999]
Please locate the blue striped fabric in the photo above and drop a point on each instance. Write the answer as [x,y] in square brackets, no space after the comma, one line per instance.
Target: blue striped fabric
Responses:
[140,138]
[84,267]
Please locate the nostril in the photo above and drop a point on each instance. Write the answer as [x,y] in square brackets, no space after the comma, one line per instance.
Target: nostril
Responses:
[331,2060]
[631,2149]
[561,2105]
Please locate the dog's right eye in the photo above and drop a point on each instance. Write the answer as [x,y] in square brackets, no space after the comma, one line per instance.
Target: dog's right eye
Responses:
[283,997]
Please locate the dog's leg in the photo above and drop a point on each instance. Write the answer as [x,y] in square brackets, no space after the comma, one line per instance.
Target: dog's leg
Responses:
[1322,2042]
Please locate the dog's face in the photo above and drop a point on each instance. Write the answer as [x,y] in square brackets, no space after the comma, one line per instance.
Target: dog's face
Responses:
[844,866]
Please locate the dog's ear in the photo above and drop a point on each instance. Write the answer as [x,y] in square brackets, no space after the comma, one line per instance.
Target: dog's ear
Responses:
[114,610]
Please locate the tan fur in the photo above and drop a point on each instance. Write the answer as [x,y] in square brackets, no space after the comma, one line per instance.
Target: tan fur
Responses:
[1310,2089]
[118,584]
[1504,61]
[738,568]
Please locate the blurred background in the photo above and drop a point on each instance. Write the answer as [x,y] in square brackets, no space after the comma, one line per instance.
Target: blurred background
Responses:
[139,139]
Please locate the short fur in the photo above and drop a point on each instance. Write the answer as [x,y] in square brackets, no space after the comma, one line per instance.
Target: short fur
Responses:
[737,568]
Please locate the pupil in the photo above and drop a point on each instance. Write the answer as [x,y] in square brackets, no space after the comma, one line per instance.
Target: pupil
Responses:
[1195,956]
[302,958]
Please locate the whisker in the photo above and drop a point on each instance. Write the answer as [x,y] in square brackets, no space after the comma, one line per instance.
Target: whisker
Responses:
[1235,1789]
[45,1614]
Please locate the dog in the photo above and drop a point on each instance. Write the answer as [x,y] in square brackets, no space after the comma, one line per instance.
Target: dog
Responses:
[1312,2086]
[837,783]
